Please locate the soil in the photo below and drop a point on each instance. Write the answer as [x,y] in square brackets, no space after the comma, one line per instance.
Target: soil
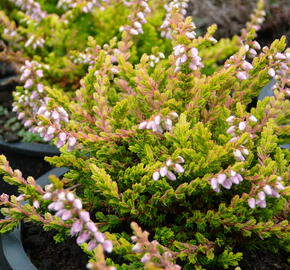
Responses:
[264,260]
[9,125]
[232,15]
[45,254]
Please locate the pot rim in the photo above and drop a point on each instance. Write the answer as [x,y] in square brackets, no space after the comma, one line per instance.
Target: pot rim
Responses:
[30,149]
[11,243]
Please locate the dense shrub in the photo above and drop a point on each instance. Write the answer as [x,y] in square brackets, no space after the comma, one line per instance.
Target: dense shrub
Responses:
[170,148]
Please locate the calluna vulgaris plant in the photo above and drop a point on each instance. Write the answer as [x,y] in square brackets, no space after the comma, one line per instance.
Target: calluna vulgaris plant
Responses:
[172,147]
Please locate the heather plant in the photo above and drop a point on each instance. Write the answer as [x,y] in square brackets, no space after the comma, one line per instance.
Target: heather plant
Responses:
[170,166]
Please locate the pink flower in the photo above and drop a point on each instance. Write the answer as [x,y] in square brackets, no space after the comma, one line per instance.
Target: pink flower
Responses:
[242,75]
[108,246]
[171,176]
[76,227]
[271,72]
[83,237]
[163,171]
[84,216]
[156,176]
[252,202]
[178,168]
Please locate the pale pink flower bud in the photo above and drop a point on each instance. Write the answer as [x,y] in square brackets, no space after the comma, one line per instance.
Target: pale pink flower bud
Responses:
[253,118]
[157,120]
[108,246]
[66,215]
[60,143]
[194,52]
[146,258]
[235,180]
[134,238]
[246,65]
[238,155]
[280,56]
[279,186]
[133,31]
[214,183]
[190,35]
[163,171]
[268,190]
[41,110]
[233,139]
[21,115]
[140,15]
[227,184]
[168,124]
[178,168]
[156,176]
[180,159]
[245,151]
[261,203]
[92,244]
[55,115]
[84,216]
[99,237]
[137,248]
[169,162]
[70,196]
[231,130]
[61,196]
[47,196]
[28,84]
[183,58]
[275,194]
[62,136]
[261,195]
[91,226]
[173,114]
[271,72]
[143,125]
[233,173]
[77,204]
[50,130]
[20,197]
[256,45]
[83,237]
[72,141]
[221,178]
[252,52]
[137,24]
[230,119]
[28,123]
[242,75]
[150,124]
[252,202]
[213,40]
[171,176]
[39,73]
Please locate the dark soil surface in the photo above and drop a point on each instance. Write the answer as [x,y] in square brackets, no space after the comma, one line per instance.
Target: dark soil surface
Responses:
[264,260]
[45,254]
[9,125]
[231,16]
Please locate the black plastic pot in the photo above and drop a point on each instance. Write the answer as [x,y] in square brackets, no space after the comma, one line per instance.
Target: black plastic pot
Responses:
[28,158]
[12,254]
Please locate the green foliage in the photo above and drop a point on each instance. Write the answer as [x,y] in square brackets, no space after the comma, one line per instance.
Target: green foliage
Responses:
[115,167]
